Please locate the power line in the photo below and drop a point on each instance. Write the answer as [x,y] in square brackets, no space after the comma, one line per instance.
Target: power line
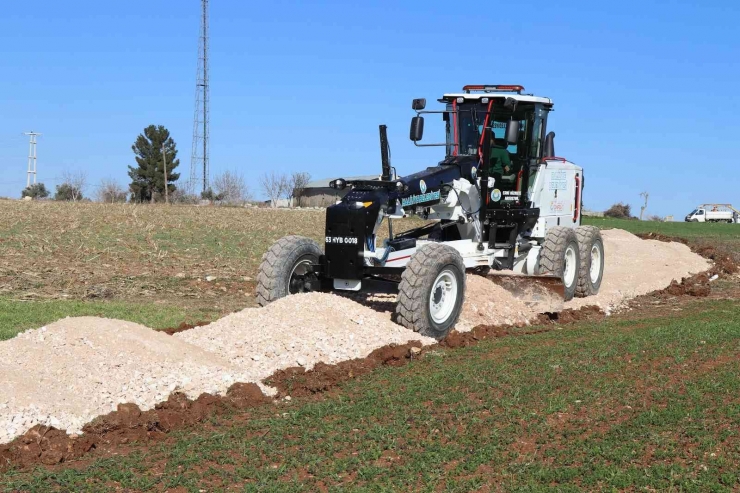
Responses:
[199,161]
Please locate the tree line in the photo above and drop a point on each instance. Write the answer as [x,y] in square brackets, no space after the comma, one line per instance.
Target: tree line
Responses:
[154,178]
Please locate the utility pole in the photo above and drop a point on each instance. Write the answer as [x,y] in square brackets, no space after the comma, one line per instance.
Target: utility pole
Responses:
[31,158]
[199,160]
[645,195]
[166,187]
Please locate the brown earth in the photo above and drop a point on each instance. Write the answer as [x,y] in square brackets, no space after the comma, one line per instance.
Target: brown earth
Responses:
[116,432]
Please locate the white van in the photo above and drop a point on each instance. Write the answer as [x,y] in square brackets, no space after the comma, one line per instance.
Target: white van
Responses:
[711,215]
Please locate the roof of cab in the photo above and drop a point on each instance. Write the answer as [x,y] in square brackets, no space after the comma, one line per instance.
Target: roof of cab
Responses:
[526,98]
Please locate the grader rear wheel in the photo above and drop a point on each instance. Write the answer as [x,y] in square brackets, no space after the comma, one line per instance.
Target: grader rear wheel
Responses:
[560,257]
[591,248]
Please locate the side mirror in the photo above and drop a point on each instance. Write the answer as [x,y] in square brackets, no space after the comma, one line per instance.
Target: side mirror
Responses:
[512,132]
[418,104]
[417,128]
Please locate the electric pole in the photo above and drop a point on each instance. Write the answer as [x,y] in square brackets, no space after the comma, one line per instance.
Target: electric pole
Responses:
[199,161]
[166,187]
[31,158]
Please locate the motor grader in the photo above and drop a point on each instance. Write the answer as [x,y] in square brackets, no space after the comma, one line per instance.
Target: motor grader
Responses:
[524,218]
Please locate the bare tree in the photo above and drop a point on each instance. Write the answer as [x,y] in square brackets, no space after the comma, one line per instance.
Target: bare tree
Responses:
[273,185]
[231,188]
[110,192]
[297,184]
[645,195]
[72,187]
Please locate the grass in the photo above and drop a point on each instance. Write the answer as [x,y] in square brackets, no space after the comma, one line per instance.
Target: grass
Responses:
[647,404]
[16,316]
[710,232]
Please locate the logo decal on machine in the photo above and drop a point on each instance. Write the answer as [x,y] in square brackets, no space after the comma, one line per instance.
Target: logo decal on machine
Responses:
[423,186]
[496,195]
[420,199]
[473,172]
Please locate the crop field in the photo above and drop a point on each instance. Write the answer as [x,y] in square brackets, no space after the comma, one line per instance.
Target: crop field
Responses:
[643,400]
[146,264]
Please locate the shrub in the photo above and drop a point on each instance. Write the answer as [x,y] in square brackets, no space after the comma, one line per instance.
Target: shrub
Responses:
[35,191]
[619,211]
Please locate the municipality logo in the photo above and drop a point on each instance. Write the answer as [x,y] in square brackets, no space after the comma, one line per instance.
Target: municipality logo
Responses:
[423,186]
[496,195]
[473,172]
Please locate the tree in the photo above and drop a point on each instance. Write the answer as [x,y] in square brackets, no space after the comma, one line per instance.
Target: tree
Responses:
[274,186]
[72,187]
[35,191]
[147,178]
[297,184]
[620,211]
[655,218]
[210,195]
[111,192]
[231,188]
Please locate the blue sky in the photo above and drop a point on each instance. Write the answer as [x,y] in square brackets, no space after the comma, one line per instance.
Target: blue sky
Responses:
[646,93]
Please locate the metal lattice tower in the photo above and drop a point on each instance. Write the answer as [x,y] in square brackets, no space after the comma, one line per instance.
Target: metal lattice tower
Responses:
[199,157]
[31,158]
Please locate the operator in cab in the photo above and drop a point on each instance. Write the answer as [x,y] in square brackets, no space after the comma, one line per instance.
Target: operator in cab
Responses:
[500,162]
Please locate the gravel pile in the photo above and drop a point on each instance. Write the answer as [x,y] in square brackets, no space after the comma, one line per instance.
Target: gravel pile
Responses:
[299,330]
[73,370]
[69,372]
[635,267]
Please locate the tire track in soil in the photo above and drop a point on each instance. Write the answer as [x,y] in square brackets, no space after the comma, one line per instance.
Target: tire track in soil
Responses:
[119,432]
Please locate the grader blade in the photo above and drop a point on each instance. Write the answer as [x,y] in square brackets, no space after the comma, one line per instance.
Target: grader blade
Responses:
[542,293]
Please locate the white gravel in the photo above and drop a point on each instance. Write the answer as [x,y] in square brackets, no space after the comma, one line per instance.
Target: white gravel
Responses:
[299,330]
[73,370]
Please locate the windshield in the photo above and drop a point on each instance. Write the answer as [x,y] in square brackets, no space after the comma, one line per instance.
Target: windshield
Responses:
[466,126]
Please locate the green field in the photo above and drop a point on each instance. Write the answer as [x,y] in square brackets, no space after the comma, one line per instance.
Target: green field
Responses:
[649,404]
[16,316]
[727,234]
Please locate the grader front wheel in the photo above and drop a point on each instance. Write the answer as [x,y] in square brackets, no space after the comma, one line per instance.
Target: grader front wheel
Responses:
[431,292]
[286,269]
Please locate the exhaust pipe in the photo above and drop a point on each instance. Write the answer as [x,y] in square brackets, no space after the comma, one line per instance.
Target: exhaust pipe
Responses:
[385,158]
[550,145]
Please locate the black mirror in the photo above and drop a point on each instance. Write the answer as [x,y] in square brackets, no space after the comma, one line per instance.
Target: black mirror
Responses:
[510,104]
[418,104]
[512,132]
[417,128]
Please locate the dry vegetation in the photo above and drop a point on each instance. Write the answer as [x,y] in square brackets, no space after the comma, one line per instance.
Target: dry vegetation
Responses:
[122,251]
[148,253]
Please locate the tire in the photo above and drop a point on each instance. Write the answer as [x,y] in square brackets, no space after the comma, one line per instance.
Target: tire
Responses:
[431,292]
[560,257]
[591,247]
[286,261]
